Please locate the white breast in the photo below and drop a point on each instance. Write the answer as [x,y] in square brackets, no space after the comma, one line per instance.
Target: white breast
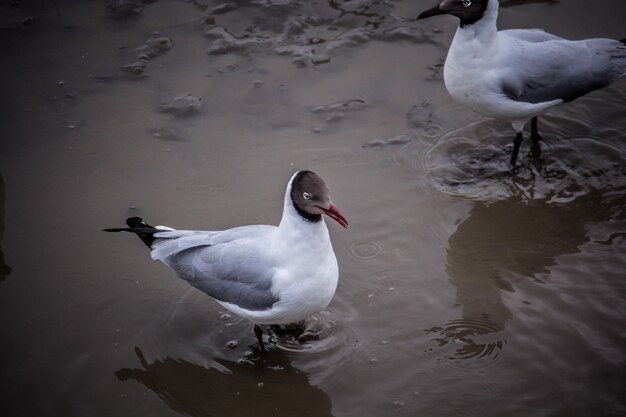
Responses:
[306,283]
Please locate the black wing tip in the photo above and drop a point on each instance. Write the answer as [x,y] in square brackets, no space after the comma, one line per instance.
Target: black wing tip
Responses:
[135,222]
[136,225]
[623,41]
[117,229]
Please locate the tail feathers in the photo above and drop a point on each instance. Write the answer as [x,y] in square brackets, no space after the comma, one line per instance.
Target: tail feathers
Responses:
[142,229]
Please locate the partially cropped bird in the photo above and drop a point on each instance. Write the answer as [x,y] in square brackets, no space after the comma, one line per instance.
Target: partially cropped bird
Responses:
[266,274]
[518,74]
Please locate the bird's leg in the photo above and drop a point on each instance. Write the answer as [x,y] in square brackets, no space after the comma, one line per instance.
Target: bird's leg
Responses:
[535,151]
[516,144]
[259,335]
[534,130]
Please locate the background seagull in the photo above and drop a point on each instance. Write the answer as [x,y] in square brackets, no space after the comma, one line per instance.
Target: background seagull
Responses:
[518,74]
[266,274]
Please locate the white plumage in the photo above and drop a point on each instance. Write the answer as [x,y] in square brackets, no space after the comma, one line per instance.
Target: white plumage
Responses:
[518,74]
[266,274]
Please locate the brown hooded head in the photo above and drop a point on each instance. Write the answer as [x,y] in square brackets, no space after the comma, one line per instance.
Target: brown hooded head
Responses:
[311,198]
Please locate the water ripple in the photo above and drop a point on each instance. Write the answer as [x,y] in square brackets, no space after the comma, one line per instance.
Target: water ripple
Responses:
[317,333]
[468,343]
[473,162]
[365,250]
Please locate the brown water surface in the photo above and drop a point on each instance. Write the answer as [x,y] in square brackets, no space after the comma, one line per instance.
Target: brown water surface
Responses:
[466,289]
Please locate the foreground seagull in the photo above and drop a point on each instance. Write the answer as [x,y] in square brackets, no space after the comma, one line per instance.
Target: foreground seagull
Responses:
[519,74]
[266,274]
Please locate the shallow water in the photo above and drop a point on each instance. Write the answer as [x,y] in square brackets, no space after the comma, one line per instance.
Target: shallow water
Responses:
[466,288]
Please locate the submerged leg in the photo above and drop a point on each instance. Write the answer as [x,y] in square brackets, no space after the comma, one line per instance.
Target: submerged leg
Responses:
[535,151]
[516,144]
[259,335]
[534,130]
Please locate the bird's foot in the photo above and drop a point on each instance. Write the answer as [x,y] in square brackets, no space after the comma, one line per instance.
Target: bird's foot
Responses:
[301,332]
[288,329]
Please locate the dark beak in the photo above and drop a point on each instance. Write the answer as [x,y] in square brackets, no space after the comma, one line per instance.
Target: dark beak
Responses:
[431,12]
[334,214]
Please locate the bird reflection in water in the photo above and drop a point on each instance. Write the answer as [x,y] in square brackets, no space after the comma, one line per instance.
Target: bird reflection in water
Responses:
[501,242]
[259,386]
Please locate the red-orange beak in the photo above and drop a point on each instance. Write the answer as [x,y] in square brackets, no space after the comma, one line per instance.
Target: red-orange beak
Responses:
[334,214]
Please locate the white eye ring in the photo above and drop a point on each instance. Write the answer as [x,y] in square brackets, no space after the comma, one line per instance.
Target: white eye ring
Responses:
[466,3]
[306,196]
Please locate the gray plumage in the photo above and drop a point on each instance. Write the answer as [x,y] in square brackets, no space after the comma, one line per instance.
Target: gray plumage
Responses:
[545,67]
[226,265]
[267,274]
[519,74]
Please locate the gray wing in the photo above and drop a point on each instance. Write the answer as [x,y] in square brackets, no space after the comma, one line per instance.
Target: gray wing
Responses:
[229,266]
[536,72]
[169,242]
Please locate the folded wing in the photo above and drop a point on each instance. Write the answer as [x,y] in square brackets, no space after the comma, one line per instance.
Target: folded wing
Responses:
[541,69]
[230,266]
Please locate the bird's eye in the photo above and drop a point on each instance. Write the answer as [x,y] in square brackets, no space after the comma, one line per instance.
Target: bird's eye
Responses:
[306,196]
[466,3]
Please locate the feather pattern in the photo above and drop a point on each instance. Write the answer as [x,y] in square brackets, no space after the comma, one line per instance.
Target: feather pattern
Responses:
[557,68]
[267,274]
[230,266]
[520,73]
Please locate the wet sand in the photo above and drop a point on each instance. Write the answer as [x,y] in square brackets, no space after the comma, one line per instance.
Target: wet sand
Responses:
[466,289]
